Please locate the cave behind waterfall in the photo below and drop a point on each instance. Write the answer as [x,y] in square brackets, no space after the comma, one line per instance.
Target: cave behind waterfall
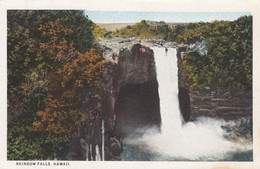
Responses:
[137,106]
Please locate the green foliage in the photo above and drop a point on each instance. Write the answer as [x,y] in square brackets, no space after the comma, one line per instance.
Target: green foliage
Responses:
[98,32]
[228,62]
[41,45]
[195,31]
[81,29]
[163,31]
[26,145]
[174,33]
[140,29]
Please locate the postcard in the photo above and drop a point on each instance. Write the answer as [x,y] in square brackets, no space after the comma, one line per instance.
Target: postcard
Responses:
[123,84]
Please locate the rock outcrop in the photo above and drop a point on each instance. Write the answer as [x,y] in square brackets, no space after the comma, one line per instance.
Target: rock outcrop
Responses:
[184,91]
[224,104]
[127,98]
[138,99]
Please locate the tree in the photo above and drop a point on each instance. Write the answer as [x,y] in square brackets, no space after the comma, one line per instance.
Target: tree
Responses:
[50,61]
[98,32]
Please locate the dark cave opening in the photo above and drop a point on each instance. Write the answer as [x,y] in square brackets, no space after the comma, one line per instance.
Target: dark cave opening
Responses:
[137,106]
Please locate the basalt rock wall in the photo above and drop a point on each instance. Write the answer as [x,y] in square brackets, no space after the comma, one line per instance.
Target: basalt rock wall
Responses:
[126,99]
[137,103]
[184,91]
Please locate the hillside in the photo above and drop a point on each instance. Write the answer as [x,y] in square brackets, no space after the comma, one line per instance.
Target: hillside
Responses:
[113,26]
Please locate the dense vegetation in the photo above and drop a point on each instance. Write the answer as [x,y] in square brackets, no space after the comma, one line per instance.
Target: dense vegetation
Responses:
[226,59]
[99,32]
[227,62]
[141,29]
[51,59]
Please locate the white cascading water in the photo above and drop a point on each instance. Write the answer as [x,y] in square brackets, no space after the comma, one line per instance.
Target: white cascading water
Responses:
[98,157]
[166,69]
[199,140]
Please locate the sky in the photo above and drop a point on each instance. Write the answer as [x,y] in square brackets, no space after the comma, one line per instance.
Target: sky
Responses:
[132,17]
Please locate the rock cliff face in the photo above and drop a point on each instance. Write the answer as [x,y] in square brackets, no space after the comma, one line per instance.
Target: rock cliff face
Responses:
[184,92]
[225,104]
[137,103]
[127,98]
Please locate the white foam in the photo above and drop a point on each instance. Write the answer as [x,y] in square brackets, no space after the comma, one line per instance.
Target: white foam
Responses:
[200,140]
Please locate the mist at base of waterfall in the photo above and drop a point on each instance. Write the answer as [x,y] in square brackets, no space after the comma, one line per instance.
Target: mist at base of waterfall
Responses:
[201,140]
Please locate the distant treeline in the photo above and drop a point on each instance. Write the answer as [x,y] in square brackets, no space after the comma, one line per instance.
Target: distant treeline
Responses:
[227,60]
[51,60]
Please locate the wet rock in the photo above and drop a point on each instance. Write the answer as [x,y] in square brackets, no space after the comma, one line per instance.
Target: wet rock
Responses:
[180,51]
[184,102]
[239,129]
[113,148]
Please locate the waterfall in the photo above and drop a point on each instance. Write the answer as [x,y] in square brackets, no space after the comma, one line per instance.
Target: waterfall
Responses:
[199,140]
[98,157]
[167,74]
[103,140]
